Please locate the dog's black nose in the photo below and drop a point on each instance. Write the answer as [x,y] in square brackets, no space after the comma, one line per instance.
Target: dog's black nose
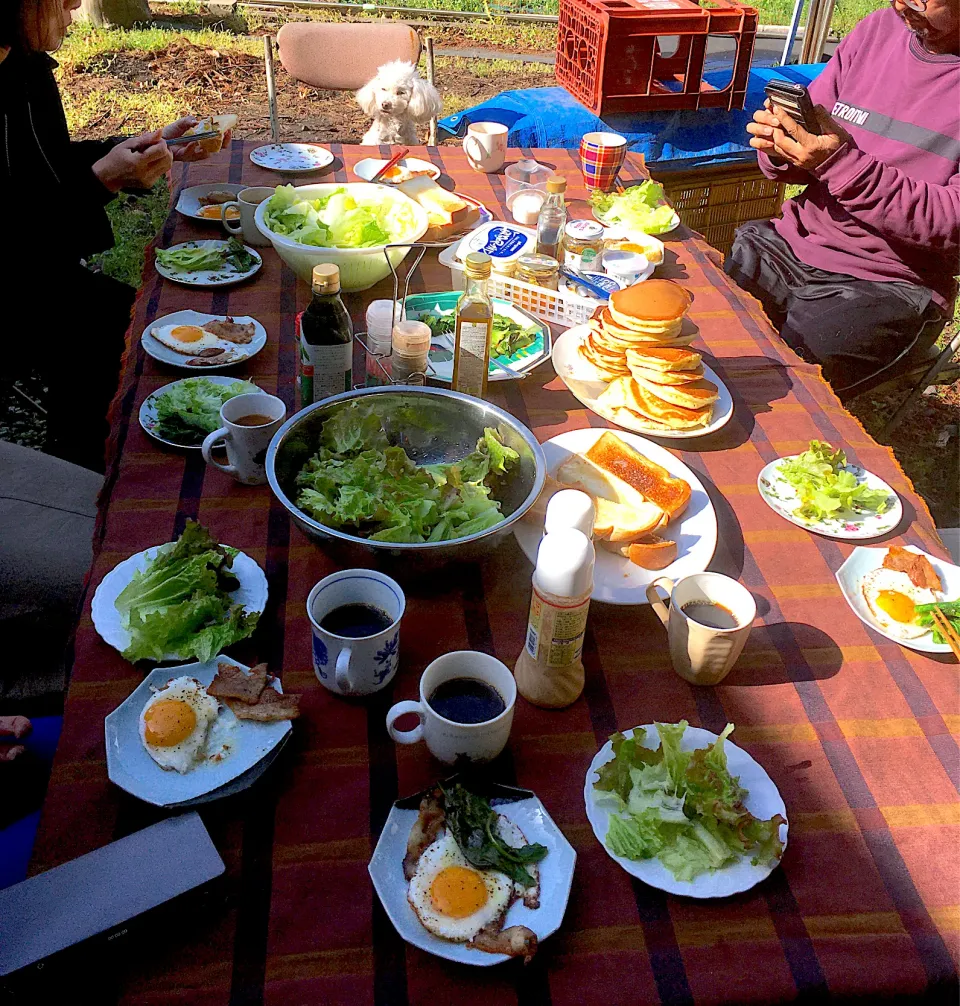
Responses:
[386,106]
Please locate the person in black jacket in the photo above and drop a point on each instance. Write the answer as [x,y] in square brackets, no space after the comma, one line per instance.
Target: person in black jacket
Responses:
[69,322]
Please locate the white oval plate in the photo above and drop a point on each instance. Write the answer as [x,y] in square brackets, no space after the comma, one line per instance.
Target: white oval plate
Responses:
[583,383]
[782,499]
[148,410]
[156,349]
[616,579]
[369,166]
[763,801]
[556,876]
[674,224]
[209,278]
[252,594]
[133,770]
[292,158]
[861,560]
[189,202]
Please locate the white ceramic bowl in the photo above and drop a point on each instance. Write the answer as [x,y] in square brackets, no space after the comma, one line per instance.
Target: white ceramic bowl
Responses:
[360,268]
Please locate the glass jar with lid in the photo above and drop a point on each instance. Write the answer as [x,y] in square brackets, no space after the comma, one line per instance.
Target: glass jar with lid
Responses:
[539,270]
[582,245]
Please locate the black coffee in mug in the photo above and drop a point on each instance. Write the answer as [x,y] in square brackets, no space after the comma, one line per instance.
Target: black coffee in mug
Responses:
[710,613]
[466,700]
[356,621]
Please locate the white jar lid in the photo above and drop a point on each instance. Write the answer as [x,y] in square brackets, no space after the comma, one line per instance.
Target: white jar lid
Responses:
[570,508]
[565,563]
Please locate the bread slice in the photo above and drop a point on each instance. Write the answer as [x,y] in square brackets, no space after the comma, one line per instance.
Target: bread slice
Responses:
[694,395]
[221,123]
[579,473]
[635,475]
[651,552]
[621,524]
[435,200]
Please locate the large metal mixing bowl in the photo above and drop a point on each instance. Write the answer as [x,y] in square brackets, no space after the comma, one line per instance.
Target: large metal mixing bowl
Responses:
[433,426]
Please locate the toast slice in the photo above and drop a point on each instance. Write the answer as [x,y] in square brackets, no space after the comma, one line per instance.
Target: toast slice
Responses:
[619,524]
[437,201]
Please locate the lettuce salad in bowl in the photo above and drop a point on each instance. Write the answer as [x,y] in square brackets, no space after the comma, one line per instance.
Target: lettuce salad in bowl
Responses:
[347,224]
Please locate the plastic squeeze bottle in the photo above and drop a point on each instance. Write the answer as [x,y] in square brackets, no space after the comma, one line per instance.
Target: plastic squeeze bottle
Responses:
[570,508]
[549,671]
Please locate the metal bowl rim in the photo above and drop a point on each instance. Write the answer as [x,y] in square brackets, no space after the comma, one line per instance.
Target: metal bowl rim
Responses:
[413,546]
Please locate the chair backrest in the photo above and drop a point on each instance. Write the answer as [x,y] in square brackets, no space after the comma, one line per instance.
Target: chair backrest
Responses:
[343,56]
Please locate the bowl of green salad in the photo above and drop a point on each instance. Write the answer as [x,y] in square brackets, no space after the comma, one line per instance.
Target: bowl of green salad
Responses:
[349,224]
[415,477]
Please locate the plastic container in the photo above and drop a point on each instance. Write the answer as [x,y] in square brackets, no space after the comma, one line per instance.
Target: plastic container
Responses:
[525,174]
[570,508]
[381,316]
[605,282]
[504,243]
[625,266]
[609,56]
[411,351]
[525,205]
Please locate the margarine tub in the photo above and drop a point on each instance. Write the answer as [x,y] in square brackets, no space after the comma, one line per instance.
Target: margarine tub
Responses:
[504,243]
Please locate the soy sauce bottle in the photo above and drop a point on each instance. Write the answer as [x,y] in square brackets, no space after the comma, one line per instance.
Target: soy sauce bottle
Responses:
[326,340]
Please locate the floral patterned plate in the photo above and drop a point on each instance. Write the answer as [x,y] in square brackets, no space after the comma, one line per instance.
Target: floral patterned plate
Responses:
[292,158]
[209,278]
[780,496]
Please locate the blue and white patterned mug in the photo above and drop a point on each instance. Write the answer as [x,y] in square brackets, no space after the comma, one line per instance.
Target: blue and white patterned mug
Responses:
[348,665]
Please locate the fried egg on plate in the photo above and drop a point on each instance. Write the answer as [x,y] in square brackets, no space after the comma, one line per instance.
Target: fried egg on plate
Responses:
[188,339]
[453,899]
[892,599]
[215,212]
[175,722]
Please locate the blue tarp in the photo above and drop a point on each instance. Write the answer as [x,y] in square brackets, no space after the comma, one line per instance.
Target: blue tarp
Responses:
[550,117]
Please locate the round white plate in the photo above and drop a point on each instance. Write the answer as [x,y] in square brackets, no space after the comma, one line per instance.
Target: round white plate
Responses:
[616,579]
[763,801]
[369,166]
[208,278]
[189,202]
[582,381]
[292,158]
[252,594]
[163,354]
[556,876]
[782,499]
[148,410]
[861,560]
[132,769]
[674,224]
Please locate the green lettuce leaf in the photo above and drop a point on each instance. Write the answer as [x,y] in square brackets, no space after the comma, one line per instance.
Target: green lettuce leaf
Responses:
[641,207]
[190,409]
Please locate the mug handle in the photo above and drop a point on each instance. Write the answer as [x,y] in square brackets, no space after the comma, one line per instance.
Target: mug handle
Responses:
[342,672]
[226,223]
[656,602]
[207,447]
[405,736]
[478,157]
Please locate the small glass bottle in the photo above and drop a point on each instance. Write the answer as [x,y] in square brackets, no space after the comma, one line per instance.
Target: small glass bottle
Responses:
[474,326]
[411,352]
[552,219]
[326,340]
[549,671]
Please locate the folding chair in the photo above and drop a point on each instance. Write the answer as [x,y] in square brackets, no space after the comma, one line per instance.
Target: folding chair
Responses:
[338,56]
[943,362]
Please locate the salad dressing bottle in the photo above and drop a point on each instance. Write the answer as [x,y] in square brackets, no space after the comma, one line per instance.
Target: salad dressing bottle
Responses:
[473,329]
[326,340]
[552,219]
[549,671]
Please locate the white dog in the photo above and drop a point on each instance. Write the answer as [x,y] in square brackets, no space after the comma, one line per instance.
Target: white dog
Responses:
[397,99]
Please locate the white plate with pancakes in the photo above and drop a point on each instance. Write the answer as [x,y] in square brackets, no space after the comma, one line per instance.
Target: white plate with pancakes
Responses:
[588,384]
[693,527]
[181,327]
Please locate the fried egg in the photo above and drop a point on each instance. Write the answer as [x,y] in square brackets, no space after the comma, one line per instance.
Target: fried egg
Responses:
[215,212]
[175,722]
[188,339]
[892,599]
[453,899]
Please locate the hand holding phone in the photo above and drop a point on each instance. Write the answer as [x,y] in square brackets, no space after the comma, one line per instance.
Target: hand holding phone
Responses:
[795,100]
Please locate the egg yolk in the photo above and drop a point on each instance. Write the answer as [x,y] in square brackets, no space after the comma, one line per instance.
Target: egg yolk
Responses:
[168,722]
[187,333]
[457,892]
[898,606]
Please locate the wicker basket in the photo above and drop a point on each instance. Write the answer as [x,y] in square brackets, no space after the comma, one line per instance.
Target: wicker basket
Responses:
[717,199]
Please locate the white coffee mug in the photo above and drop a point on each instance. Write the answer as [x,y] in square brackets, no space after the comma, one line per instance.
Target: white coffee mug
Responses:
[247,202]
[703,654]
[447,740]
[246,445]
[351,665]
[486,146]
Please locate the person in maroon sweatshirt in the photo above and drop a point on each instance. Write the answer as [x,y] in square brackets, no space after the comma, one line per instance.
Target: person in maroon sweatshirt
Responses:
[862,265]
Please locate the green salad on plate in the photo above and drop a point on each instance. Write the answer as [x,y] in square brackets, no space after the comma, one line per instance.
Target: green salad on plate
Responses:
[190,409]
[641,207]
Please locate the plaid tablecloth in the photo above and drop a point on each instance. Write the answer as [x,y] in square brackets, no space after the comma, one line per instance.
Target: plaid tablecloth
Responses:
[858,733]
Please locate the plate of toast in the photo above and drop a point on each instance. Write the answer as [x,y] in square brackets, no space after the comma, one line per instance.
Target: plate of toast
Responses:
[653,515]
[449,215]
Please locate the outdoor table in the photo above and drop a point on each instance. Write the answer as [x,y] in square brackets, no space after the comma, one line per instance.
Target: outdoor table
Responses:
[858,733]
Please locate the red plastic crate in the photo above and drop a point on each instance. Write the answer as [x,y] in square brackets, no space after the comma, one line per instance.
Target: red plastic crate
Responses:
[609,55]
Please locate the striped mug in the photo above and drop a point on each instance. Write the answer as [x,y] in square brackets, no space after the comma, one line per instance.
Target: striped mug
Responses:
[601,158]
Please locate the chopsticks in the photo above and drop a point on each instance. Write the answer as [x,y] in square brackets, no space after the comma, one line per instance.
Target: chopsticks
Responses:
[398,156]
[192,137]
[945,628]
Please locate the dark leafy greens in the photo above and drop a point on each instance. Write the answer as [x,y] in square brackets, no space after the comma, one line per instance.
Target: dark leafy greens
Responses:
[190,409]
[507,337]
[682,807]
[180,604]
[474,825]
[951,609]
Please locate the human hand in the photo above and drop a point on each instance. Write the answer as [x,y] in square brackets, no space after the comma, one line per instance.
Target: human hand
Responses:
[17,727]
[189,151]
[135,163]
[781,137]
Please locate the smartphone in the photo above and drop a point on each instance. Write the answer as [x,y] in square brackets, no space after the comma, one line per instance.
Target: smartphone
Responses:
[793,98]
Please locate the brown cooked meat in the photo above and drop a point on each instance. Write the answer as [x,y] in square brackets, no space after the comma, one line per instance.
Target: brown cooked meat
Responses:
[517,941]
[231,682]
[917,567]
[217,197]
[424,831]
[270,707]
[231,331]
